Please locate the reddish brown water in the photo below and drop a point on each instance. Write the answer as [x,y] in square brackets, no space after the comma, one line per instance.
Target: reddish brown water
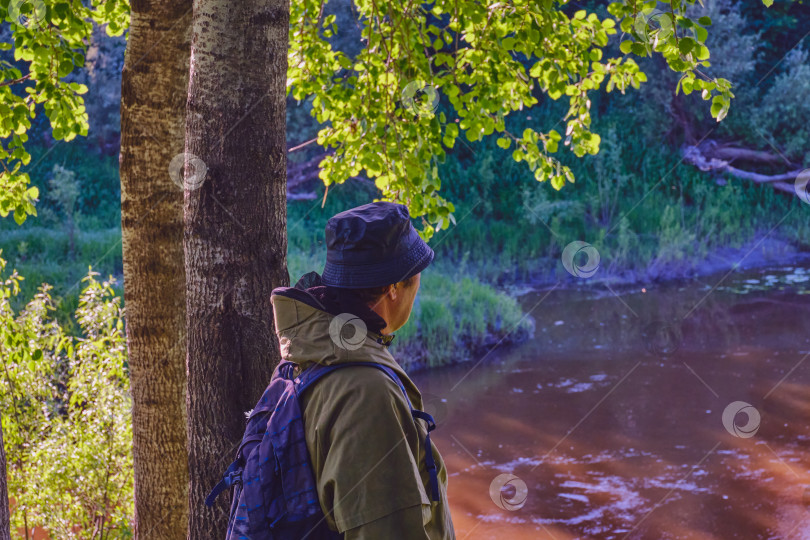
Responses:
[612,416]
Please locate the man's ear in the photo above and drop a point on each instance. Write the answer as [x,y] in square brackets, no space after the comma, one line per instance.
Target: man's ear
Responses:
[391,291]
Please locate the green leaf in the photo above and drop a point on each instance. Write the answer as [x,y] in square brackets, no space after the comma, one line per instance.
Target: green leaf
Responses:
[685,45]
[504,142]
[687,86]
[638,49]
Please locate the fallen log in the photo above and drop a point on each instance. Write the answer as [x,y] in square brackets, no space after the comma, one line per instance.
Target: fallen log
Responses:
[786,182]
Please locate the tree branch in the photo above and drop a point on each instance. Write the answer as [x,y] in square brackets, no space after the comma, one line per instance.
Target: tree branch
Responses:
[15,81]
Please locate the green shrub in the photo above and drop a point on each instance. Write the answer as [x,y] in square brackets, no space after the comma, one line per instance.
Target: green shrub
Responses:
[455,318]
[784,115]
[66,414]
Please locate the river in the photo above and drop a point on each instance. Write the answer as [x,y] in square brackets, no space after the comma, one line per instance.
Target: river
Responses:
[673,411]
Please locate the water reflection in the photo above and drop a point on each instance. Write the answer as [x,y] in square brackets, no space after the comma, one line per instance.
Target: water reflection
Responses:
[612,415]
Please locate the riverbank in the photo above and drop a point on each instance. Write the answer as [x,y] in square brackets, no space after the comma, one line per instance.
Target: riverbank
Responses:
[766,251]
[762,252]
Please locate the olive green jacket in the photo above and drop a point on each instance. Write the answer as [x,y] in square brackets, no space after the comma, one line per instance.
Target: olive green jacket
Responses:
[367,451]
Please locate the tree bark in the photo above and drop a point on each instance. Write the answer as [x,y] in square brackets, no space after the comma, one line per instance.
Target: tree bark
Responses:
[235,230]
[5,514]
[153,97]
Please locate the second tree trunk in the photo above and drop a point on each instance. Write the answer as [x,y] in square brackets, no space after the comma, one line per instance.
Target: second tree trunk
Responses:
[235,230]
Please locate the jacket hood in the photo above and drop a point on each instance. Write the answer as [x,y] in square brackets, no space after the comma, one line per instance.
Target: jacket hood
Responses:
[309,327]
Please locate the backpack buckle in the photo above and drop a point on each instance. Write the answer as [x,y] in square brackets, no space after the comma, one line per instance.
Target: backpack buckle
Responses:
[234,477]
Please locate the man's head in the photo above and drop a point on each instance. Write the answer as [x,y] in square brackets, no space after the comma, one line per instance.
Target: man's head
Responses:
[393,302]
[374,251]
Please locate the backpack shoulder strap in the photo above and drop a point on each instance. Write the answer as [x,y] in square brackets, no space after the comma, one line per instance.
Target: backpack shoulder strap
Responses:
[312,374]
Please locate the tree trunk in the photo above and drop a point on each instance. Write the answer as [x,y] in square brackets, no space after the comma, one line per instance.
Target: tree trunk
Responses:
[5,515]
[153,97]
[235,230]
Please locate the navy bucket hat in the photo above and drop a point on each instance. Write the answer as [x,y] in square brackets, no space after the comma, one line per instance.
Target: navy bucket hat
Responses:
[373,245]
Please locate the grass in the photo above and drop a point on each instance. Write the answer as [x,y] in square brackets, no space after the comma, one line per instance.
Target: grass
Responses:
[43,255]
[456,317]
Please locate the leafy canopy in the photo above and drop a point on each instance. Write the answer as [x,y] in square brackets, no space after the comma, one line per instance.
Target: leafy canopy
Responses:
[51,38]
[482,60]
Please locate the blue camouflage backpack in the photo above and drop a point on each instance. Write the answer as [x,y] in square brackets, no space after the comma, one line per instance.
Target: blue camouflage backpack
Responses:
[275,496]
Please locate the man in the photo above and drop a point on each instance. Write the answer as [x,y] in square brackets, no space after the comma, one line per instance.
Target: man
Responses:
[367,451]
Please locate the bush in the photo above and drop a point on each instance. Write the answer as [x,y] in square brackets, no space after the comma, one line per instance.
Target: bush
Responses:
[455,318]
[67,421]
[785,112]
